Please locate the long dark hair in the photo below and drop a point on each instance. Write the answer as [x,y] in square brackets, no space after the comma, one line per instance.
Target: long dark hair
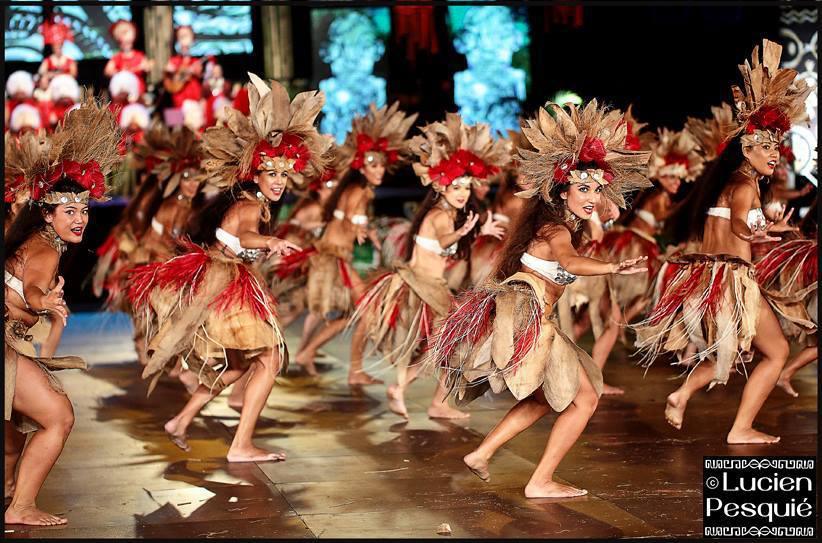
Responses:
[32,218]
[529,225]
[202,225]
[150,192]
[507,186]
[351,177]
[428,203]
[687,222]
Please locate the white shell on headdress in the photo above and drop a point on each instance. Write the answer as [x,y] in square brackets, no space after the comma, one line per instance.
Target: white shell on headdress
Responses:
[20,82]
[193,116]
[64,86]
[125,82]
[24,116]
[218,107]
[134,113]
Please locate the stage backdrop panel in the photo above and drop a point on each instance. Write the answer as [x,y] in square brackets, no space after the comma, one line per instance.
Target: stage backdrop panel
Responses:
[349,63]
[219,29]
[90,24]
[494,40]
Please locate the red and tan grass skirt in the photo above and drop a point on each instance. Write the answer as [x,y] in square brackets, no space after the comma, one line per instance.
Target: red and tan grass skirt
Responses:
[788,275]
[331,281]
[199,306]
[502,336]
[620,244]
[710,300]
[401,309]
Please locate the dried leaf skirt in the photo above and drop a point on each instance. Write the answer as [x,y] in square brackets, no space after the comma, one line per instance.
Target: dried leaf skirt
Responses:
[331,281]
[287,276]
[401,309]
[18,342]
[586,290]
[710,300]
[620,244]
[788,277]
[502,336]
[199,306]
[120,252]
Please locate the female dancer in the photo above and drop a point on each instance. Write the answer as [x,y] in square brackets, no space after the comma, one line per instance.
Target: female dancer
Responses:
[399,309]
[303,226]
[62,175]
[375,144]
[500,336]
[713,299]
[503,210]
[210,306]
[674,158]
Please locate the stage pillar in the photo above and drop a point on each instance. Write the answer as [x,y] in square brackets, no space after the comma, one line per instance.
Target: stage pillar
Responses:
[278,54]
[158,28]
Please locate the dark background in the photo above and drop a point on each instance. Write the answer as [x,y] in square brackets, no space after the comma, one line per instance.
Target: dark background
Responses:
[668,61]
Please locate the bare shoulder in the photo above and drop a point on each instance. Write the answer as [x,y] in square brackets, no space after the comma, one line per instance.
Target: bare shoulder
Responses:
[40,254]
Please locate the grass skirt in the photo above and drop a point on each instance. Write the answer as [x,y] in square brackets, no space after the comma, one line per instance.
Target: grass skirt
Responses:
[788,277]
[501,336]
[200,305]
[710,300]
[401,308]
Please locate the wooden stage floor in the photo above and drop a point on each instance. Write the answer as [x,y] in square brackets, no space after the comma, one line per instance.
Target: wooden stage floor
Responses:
[354,469]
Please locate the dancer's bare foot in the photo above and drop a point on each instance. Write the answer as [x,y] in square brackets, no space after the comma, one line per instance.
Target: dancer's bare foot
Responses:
[445,411]
[675,410]
[396,401]
[478,465]
[31,516]
[610,390]
[176,435]
[552,489]
[362,378]
[784,383]
[307,363]
[749,435]
[253,454]
[189,380]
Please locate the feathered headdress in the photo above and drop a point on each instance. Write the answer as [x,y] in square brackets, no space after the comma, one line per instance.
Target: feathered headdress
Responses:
[21,155]
[378,135]
[277,135]
[712,134]
[772,99]
[84,148]
[580,146]
[515,141]
[637,139]
[677,154]
[329,176]
[179,159]
[156,139]
[452,152]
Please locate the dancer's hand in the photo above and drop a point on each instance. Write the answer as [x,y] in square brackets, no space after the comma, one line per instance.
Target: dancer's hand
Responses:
[469,224]
[630,266]
[780,223]
[492,228]
[375,240]
[53,301]
[279,246]
[362,235]
[759,236]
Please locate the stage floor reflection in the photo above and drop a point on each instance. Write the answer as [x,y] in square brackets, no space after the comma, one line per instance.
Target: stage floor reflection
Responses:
[354,469]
